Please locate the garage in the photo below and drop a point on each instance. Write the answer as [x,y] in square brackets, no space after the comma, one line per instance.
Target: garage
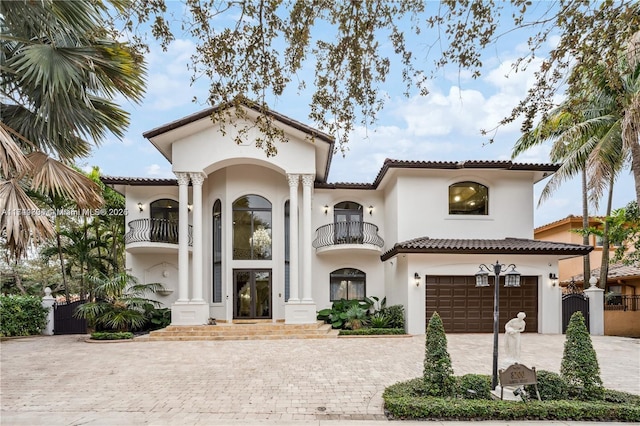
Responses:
[464,308]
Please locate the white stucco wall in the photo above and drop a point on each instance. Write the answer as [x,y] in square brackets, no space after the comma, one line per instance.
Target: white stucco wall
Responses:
[422,205]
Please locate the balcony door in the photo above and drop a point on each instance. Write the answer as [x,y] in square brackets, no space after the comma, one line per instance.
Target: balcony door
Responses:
[164,221]
[252,293]
[347,217]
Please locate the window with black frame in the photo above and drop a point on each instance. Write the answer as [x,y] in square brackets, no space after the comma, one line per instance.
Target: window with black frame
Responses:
[468,198]
[347,283]
[252,228]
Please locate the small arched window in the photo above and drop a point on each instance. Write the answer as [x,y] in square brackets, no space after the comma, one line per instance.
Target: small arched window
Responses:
[468,198]
[347,283]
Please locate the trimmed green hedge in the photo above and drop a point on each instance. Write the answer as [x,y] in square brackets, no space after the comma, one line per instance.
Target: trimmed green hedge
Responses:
[405,401]
[21,315]
[107,335]
[372,331]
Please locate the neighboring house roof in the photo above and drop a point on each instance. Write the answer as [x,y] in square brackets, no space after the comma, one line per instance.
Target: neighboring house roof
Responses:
[616,271]
[571,219]
[485,246]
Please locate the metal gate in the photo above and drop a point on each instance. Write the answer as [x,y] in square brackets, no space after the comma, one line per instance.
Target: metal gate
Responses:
[65,323]
[572,303]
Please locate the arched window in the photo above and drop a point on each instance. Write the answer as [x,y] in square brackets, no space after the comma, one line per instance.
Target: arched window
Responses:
[164,221]
[347,219]
[217,252]
[251,228]
[468,198]
[347,283]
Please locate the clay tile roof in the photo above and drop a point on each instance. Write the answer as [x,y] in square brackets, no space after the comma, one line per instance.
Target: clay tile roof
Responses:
[485,246]
[616,271]
[469,164]
[138,181]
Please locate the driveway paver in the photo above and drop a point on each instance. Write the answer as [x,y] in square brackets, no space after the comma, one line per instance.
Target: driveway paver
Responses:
[64,380]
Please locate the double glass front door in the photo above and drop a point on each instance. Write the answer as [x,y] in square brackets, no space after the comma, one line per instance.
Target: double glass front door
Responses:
[252,293]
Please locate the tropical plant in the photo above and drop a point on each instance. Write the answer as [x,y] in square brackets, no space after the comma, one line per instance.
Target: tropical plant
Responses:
[379,320]
[355,318]
[579,366]
[337,314]
[60,71]
[438,373]
[120,303]
[395,313]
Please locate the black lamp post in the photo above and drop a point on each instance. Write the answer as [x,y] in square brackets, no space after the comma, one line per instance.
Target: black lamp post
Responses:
[511,279]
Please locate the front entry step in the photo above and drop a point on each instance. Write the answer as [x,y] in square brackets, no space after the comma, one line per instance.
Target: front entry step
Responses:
[245,331]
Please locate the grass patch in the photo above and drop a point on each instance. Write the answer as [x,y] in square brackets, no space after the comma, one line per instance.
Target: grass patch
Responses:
[107,335]
[408,400]
[370,331]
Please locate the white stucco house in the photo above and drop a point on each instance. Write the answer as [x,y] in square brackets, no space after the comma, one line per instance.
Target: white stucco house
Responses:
[239,235]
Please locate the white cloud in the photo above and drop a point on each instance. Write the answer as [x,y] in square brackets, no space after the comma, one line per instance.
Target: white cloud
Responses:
[155,170]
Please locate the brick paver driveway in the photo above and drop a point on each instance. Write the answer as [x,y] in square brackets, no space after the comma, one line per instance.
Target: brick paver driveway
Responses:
[63,380]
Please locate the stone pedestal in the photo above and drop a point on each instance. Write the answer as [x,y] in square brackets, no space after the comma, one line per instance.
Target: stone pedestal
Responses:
[300,313]
[189,313]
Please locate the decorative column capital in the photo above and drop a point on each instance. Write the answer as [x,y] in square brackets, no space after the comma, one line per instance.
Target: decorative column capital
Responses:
[293,180]
[197,178]
[307,180]
[183,178]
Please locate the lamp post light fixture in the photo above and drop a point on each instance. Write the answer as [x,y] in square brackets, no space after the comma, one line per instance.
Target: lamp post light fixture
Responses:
[511,279]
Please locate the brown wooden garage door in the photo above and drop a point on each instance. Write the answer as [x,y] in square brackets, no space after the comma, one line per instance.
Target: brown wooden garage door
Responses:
[467,309]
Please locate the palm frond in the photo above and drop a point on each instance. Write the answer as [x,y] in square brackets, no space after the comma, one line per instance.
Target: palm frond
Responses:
[51,176]
[12,159]
[20,219]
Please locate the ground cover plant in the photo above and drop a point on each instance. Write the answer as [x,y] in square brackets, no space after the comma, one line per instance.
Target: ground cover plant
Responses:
[369,316]
[106,335]
[574,394]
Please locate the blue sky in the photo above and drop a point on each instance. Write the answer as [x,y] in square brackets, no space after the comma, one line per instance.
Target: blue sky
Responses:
[443,126]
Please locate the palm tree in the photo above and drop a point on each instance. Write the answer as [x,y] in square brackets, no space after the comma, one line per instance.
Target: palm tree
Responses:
[120,302]
[586,137]
[60,71]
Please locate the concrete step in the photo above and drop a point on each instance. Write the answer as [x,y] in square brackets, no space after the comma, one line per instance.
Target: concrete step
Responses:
[253,331]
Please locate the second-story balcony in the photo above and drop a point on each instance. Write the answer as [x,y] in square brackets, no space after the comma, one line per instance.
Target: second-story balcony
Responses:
[354,235]
[153,235]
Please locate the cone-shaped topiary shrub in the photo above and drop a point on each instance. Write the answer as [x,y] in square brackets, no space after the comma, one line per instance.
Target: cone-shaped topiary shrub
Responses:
[579,365]
[438,373]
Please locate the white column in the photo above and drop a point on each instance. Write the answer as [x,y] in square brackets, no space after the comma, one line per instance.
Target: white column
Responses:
[307,185]
[196,181]
[596,309]
[293,238]
[47,302]
[183,238]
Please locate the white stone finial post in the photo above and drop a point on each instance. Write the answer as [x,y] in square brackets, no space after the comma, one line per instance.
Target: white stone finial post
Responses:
[47,302]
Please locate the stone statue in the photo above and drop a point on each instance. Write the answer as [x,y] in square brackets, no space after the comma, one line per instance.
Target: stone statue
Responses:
[512,330]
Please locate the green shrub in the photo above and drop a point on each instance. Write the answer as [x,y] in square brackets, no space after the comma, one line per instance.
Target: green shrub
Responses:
[620,397]
[579,367]
[550,385]
[156,318]
[106,335]
[395,313]
[474,386]
[438,373]
[370,331]
[407,400]
[21,315]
